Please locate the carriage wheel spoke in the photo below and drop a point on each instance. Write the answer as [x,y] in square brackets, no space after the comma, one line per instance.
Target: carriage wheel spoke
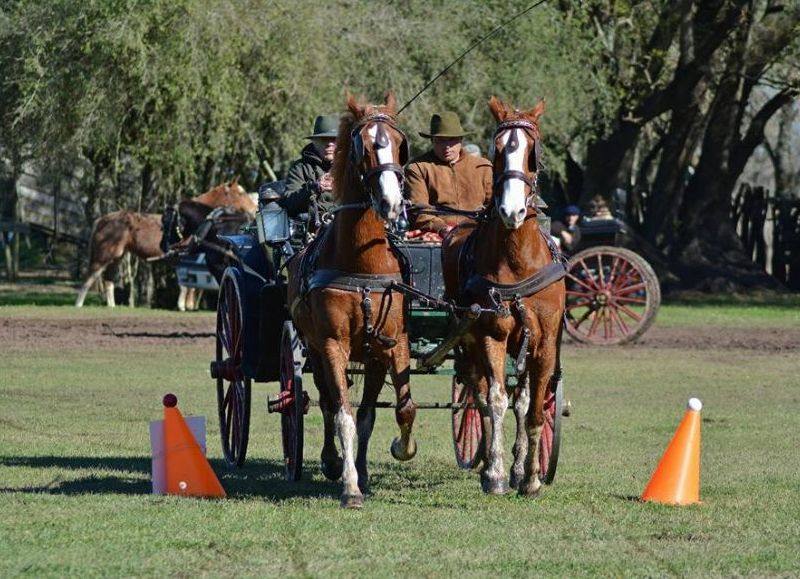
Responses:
[591,289]
[590,278]
[629,312]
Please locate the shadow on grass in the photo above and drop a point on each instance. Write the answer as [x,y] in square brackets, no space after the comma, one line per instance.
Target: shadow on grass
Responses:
[257,478]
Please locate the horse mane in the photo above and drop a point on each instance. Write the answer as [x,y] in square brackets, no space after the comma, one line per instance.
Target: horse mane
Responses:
[343,172]
[345,177]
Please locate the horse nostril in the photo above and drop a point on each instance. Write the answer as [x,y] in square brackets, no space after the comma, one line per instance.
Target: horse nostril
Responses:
[521,212]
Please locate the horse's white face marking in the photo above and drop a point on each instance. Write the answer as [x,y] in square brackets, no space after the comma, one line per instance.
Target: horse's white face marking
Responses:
[512,207]
[391,195]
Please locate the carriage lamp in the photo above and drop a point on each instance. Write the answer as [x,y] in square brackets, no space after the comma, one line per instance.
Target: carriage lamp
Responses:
[272,220]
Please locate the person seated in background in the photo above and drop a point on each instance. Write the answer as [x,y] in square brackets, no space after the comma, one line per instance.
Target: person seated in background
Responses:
[309,177]
[568,232]
[446,177]
[598,209]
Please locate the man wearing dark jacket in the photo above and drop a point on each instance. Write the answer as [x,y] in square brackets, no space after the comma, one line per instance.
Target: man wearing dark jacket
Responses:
[310,176]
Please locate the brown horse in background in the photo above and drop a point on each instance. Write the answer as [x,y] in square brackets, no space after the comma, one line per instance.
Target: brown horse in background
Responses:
[328,299]
[119,232]
[113,235]
[511,252]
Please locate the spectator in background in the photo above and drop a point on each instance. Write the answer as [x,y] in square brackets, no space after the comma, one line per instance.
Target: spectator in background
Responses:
[309,177]
[568,232]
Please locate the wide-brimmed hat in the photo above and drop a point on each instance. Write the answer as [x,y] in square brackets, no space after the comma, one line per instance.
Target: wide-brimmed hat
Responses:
[325,126]
[446,124]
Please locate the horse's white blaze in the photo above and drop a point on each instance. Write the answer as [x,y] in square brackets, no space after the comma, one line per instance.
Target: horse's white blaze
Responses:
[388,180]
[513,198]
[346,430]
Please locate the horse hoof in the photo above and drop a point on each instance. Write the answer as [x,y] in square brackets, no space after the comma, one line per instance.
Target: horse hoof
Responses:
[332,469]
[397,449]
[352,501]
[516,477]
[529,488]
[495,487]
[567,410]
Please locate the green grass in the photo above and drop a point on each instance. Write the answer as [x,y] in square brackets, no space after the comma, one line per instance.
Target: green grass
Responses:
[74,480]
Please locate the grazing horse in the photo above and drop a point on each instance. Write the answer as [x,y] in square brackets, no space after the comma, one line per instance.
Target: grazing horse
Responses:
[340,297]
[113,235]
[514,271]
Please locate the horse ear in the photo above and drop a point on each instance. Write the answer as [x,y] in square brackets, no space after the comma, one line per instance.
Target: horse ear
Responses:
[235,181]
[536,111]
[390,100]
[354,107]
[498,109]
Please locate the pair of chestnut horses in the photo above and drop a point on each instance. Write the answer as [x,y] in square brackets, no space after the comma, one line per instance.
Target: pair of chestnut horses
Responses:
[346,308]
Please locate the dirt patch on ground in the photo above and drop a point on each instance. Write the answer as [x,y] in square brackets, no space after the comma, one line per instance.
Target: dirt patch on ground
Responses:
[762,339]
[131,332]
[116,332]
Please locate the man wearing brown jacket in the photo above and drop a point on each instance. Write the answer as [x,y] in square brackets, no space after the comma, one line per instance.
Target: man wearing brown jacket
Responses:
[446,177]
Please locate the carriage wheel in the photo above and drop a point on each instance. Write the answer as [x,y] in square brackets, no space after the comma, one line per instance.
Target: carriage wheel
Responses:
[612,296]
[550,440]
[467,427]
[233,389]
[293,401]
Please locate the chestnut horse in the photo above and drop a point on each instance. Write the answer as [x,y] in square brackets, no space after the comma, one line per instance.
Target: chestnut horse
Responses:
[514,271]
[115,234]
[333,284]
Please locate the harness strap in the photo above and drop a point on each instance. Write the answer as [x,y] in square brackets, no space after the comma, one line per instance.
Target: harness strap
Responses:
[351,282]
[549,274]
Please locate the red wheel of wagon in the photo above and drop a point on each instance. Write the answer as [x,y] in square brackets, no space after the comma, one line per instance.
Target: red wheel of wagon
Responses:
[467,427]
[550,441]
[293,401]
[612,296]
[233,389]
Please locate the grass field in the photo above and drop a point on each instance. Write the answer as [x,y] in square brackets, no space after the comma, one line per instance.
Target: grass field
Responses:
[77,390]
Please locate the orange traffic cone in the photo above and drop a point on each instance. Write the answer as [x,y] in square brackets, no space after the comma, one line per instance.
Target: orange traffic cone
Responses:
[676,480]
[188,471]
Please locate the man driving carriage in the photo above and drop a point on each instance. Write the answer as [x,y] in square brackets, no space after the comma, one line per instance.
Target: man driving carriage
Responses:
[309,176]
[446,177]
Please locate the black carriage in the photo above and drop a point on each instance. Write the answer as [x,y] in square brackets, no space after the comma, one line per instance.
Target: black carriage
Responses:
[257,342]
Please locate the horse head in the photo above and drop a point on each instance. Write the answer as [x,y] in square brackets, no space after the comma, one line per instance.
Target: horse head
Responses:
[516,160]
[229,194]
[172,228]
[370,154]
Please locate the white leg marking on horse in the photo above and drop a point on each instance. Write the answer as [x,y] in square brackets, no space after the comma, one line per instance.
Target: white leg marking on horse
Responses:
[498,402]
[521,441]
[182,298]
[346,430]
[109,289]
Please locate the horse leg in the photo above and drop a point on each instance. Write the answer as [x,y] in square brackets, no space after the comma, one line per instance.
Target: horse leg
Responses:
[374,374]
[522,398]
[182,293]
[334,360]
[108,286]
[403,447]
[331,462]
[493,477]
[541,371]
[87,285]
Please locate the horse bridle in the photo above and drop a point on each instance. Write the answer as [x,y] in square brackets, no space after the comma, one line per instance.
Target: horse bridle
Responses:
[381,141]
[513,145]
